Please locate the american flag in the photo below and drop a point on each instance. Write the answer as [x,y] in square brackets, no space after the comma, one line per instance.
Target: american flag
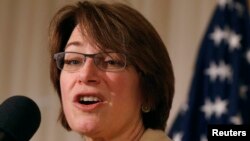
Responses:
[220,89]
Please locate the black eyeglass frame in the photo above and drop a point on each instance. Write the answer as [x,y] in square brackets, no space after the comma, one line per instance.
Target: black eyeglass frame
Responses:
[92,56]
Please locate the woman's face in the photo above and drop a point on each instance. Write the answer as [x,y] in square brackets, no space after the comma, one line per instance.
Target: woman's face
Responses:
[117,94]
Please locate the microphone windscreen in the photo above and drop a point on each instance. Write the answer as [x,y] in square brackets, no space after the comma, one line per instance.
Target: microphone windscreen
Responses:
[20,117]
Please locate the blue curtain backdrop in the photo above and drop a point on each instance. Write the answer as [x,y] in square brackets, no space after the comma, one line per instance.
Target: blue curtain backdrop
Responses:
[220,89]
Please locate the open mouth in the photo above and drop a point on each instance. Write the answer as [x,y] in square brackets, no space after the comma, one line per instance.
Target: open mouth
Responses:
[88,100]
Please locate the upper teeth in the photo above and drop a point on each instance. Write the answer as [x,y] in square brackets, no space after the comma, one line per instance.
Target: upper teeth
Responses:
[89,98]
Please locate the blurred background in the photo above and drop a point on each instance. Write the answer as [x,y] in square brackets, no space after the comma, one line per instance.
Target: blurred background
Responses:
[24,59]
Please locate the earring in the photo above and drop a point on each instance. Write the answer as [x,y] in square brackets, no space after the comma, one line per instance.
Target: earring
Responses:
[145,109]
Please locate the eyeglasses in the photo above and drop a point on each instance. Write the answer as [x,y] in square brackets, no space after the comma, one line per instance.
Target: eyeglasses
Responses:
[107,61]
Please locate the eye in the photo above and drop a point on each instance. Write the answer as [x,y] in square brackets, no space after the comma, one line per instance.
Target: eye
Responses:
[113,62]
[110,61]
[72,62]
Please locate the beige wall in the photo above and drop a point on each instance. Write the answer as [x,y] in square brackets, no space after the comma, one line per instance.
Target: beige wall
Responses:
[24,50]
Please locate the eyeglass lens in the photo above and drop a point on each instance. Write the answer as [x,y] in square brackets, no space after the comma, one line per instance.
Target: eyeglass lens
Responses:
[72,61]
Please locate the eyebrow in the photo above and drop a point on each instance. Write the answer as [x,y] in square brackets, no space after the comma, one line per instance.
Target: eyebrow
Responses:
[74,43]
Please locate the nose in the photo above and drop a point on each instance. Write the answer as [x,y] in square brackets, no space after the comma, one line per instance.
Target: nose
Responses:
[88,73]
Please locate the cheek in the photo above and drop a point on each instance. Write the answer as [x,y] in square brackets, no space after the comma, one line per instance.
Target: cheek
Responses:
[127,88]
[66,82]
[66,87]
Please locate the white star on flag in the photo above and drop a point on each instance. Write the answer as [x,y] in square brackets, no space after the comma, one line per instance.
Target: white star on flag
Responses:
[220,107]
[243,92]
[222,71]
[212,71]
[236,119]
[217,36]
[234,41]
[248,56]
[203,137]
[230,37]
[178,136]
[184,108]
[223,3]
[239,7]
[208,108]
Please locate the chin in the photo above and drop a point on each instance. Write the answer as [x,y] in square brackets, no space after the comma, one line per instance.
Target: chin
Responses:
[87,127]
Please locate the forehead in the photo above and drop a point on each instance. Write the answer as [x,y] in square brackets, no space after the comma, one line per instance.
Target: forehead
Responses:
[80,38]
[80,34]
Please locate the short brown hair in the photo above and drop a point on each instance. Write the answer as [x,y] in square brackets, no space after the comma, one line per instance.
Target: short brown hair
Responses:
[122,29]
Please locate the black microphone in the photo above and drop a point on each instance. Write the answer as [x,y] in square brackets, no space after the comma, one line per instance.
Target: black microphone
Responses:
[20,118]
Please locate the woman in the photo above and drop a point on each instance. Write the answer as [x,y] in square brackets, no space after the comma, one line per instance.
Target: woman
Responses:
[112,73]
